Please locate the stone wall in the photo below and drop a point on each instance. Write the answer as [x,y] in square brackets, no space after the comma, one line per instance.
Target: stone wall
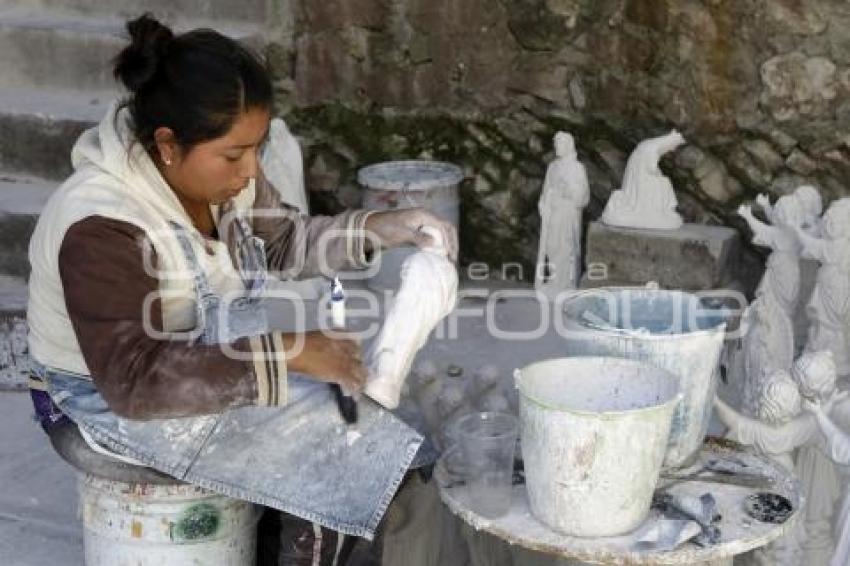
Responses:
[758,87]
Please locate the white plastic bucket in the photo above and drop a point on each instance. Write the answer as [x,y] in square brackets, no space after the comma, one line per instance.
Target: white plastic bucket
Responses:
[593,434]
[671,330]
[129,524]
[408,184]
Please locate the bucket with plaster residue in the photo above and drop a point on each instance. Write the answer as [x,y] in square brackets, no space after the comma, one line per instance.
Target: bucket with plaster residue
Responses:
[672,330]
[140,524]
[407,184]
[593,435]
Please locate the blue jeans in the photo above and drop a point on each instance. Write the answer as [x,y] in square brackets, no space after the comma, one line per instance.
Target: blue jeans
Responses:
[301,459]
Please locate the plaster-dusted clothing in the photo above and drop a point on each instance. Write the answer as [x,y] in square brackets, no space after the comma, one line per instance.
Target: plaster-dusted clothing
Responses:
[299,459]
[115,235]
[115,179]
[140,377]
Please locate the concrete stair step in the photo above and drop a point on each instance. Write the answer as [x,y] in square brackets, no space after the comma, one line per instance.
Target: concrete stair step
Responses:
[22,198]
[40,126]
[220,10]
[75,51]
[13,333]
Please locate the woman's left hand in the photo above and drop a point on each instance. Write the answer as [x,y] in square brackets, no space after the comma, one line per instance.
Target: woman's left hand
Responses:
[403,227]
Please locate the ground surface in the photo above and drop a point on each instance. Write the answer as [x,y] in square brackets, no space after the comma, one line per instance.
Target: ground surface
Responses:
[38,499]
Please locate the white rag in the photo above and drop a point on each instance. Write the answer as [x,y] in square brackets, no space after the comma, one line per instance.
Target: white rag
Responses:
[427,294]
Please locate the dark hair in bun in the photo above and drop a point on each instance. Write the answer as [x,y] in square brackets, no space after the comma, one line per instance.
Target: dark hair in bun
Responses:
[196,83]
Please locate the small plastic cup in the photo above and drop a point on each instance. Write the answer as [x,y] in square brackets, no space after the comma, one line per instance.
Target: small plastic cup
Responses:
[487,443]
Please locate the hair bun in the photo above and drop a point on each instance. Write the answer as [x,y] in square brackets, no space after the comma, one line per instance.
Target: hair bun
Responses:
[137,63]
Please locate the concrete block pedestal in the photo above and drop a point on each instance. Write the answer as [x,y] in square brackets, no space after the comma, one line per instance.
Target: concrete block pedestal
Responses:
[695,257]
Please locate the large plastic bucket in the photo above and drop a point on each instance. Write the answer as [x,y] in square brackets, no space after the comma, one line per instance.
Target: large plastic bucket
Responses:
[129,524]
[593,434]
[671,330]
[408,184]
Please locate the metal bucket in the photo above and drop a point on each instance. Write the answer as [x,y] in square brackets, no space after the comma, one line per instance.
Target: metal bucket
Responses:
[409,184]
[671,330]
[130,524]
[593,434]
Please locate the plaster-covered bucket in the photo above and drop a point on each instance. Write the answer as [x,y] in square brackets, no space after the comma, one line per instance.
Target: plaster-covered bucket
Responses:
[671,330]
[129,524]
[593,434]
[408,184]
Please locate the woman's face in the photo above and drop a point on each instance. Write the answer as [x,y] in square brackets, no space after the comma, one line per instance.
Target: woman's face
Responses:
[217,170]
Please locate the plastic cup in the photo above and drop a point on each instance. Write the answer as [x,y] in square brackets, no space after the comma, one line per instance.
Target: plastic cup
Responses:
[487,443]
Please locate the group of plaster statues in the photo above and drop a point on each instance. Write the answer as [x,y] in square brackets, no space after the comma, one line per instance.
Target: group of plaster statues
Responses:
[646,200]
[795,346]
[792,410]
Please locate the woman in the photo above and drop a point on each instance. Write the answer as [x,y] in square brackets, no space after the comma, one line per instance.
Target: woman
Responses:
[148,264]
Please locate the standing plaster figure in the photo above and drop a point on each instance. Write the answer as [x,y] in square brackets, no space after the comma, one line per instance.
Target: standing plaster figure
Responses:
[777,433]
[768,347]
[814,373]
[811,208]
[646,199]
[829,307]
[838,448]
[565,194]
[782,273]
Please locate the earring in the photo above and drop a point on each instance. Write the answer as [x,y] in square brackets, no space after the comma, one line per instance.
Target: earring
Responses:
[167,161]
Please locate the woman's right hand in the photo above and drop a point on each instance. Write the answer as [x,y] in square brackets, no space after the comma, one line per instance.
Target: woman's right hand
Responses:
[332,359]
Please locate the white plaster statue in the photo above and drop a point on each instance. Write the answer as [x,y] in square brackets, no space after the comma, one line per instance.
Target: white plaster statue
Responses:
[779,431]
[565,194]
[283,165]
[428,293]
[782,273]
[646,199]
[829,306]
[810,208]
[838,448]
[768,348]
[814,373]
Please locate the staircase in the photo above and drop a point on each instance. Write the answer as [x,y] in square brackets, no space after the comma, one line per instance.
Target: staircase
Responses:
[55,81]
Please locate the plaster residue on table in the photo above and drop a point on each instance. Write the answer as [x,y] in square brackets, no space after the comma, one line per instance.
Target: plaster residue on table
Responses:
[739,532]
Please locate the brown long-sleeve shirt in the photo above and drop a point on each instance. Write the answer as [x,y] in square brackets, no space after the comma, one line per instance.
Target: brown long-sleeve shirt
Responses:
[101,265]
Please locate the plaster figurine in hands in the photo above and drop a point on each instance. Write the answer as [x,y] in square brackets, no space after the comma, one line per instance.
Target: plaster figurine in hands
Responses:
[814,373]
[565,194]
[646,199]
[782,273]
[829,306]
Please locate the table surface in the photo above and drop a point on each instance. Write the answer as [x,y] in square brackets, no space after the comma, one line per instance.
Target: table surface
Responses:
[739,532]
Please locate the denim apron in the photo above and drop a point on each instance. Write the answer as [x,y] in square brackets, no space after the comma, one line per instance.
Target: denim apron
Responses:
[301,459]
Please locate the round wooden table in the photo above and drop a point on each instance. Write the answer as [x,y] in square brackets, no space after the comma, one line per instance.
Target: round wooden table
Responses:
[740,533]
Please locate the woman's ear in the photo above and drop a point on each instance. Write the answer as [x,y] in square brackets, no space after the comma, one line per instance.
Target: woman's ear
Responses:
[166,145]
